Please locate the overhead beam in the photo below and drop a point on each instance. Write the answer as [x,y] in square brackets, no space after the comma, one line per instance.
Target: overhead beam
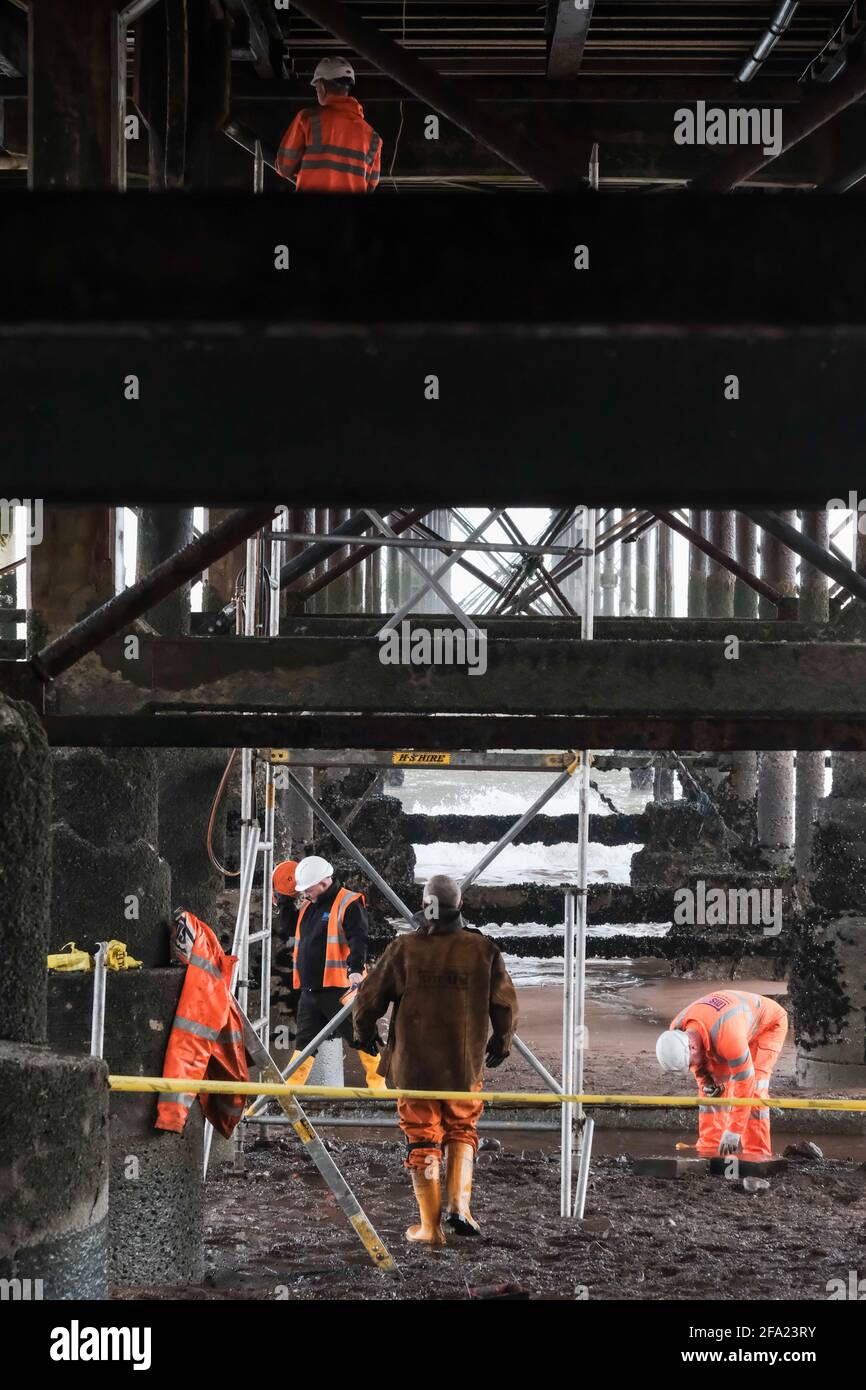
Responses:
[340,731]
[823,103]
[587,90]
[569,21]
[556,677]
[510,145]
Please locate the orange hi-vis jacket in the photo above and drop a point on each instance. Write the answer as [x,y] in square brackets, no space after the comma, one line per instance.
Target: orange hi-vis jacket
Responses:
[331,149]
[742,1034]
[336,973]
[207,1039]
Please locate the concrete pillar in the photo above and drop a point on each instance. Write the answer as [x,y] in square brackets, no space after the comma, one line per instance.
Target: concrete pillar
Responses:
[697,596]
[338,589]
[776,769]
[643,550]
[54,1143]
[810,775]
[664,572]
[746,598]
[76,95]
[720,581]
[71,572]
[828,990]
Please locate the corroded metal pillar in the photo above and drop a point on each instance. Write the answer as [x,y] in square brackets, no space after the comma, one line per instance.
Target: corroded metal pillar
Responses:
[745,598]
[643,553]
[720,581]
[626,579]
[697,596]
[664,572]
[810,775]
[776,769]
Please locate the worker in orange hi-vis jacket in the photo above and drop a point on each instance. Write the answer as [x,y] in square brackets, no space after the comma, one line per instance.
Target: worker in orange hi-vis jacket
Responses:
[331,149]
[731,1040]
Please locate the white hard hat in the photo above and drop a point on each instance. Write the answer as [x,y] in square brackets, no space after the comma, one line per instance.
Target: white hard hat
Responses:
[331,70]
[672,1050]
[311,870]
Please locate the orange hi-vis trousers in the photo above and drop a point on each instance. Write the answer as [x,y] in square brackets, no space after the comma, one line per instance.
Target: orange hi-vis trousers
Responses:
[430,1124]
[763,1054]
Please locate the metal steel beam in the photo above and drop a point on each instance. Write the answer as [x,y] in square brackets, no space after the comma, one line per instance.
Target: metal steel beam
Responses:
[821,105]
[340,731]
[508,143]
[587,90]
[569,21]
[333,674]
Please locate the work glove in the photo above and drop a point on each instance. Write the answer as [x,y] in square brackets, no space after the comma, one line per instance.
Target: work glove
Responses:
[356,979]
[730,1143]
[494,1057]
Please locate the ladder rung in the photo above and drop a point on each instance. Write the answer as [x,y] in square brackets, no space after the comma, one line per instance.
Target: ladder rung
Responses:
[263,845]
[259,1023]
[258,936]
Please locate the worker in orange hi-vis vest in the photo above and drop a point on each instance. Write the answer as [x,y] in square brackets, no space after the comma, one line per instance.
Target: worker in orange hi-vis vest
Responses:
[731,1040]
[331,149]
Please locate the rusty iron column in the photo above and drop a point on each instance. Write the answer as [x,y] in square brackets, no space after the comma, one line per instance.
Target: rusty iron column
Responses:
[814,607]
[776,769]
[698,563]
[720,581]
[745,598]
[664,572]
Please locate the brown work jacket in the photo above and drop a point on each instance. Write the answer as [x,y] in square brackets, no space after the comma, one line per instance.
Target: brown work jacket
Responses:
[448,988]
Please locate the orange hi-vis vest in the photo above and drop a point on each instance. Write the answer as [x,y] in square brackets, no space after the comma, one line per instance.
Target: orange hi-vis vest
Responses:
[742,1034]
[207,1039]
[331,149]
[336,974]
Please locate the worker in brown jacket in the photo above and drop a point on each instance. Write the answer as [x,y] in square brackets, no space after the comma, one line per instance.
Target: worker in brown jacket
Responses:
[449,986]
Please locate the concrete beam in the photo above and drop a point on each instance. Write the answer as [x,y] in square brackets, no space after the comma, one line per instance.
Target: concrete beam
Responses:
[569,23]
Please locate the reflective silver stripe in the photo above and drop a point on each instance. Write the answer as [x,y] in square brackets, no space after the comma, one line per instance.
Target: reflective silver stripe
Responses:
[205,965]
[738,1061]
[310,165]
[334,964]
[291,151]
[230,1035]
[344,149]
[762,1114]
[200,1030]
[185,1098]
[374,146]
[744,1075]
[315,144]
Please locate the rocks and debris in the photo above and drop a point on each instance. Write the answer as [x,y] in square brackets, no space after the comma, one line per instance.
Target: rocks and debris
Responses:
[803,1152]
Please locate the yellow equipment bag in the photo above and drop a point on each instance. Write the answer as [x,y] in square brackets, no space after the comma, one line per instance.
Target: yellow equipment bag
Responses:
[70,959]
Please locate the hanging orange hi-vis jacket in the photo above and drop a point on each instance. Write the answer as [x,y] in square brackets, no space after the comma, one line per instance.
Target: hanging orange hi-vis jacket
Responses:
[336,973]
[207,1039]
[331,149]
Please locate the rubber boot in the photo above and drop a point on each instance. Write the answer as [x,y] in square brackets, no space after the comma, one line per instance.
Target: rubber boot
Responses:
[461,1160]
[428,1195]
[375,1081]
[299,1077]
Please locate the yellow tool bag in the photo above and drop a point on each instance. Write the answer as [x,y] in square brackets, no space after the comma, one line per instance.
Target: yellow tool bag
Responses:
[70,959]
[117,959]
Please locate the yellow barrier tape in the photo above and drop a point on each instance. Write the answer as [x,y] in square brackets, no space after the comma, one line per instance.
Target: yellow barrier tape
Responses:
[265,1088]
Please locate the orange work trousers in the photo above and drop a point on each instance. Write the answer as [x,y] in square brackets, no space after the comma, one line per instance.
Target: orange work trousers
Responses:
[430,1124]
[713,1120]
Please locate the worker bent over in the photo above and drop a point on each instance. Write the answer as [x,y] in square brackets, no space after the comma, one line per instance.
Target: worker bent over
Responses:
[448,985]
[731,1040]
[331,150]
[330,958]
